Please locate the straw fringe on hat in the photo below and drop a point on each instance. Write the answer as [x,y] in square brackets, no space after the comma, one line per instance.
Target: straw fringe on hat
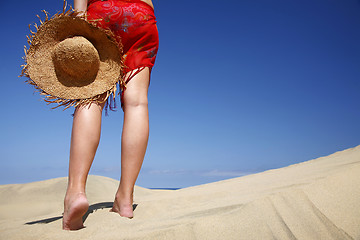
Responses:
[72,62]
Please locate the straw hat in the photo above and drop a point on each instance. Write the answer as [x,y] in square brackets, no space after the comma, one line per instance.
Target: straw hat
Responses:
[71,61]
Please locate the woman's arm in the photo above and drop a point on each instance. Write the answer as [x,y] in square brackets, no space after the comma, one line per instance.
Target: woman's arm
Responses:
[80,6]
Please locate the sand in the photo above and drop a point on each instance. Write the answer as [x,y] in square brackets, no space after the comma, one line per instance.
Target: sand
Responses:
[317,199]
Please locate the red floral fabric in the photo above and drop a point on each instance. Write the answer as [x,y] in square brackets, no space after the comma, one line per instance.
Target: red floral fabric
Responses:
[134,24]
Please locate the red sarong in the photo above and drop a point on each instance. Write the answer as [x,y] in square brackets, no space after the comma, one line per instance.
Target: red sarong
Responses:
[134,24]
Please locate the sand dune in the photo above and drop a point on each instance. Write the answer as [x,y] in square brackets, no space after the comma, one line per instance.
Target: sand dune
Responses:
[318,199]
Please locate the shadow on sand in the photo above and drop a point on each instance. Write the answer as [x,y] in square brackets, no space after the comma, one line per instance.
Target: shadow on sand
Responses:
[92,208]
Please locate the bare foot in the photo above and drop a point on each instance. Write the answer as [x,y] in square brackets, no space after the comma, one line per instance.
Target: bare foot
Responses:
[123,206]
[75,206]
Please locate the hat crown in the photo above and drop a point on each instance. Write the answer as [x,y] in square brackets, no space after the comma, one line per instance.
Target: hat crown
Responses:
[76,60]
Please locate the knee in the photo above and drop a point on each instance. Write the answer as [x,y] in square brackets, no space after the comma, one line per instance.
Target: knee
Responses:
[135,101]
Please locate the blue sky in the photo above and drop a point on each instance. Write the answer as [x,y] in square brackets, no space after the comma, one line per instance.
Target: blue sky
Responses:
[238,87]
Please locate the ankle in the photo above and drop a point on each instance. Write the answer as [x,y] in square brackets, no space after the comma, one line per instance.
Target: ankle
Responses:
[124,196]
[72,195]
[75,188]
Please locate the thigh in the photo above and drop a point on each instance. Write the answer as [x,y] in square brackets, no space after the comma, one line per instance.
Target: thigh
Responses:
[95,106]
[137,89]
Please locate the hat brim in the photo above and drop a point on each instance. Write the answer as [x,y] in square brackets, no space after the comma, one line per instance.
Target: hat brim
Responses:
[40,69]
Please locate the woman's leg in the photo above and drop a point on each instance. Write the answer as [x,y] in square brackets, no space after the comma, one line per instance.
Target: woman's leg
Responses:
[85,138]
[134,140]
